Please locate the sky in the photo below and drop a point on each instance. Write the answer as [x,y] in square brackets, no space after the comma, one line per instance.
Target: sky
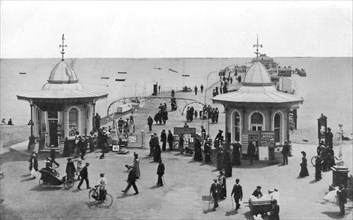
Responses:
[139,29]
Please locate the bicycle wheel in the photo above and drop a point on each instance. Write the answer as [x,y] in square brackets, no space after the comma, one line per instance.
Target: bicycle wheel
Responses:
[108,200]
[68,184]
[313,160]
[92,195]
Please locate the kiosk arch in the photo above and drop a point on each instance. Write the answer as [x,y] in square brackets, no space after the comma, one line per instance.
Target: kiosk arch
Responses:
[256,121]
[236,125]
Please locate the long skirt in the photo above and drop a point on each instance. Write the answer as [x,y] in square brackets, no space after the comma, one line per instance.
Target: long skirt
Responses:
[303,171]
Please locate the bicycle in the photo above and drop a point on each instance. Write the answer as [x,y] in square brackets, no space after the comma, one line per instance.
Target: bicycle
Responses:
[106,200]
[313,160]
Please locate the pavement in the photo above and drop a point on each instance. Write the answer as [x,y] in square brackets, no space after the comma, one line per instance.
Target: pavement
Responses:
[185,194]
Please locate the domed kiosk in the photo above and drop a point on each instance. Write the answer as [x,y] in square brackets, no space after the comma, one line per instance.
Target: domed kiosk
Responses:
[61,108]
[258,112]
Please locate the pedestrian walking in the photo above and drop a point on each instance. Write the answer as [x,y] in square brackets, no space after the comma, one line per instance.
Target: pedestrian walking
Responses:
[285,153]
[303,166]
[160,172]
[195,89]
[131,180]
[342,199]
[163,140]
[150,122]
[52,155]
[201,88]
[135,164]
[214,191]
[33,164]
[198,150]
[238,193]
[84,177]
[223,185]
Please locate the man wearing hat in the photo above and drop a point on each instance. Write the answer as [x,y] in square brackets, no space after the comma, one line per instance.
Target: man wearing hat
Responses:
[238,193]
[52,155]
[285,153]
[214,190]
[342,198]
[84,176]
[257,193]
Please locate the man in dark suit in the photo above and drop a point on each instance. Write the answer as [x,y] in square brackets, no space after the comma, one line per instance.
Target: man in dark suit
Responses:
[251,151]
[238,193]
[131,179]
[164,140]
[274,213]
[52,155]
[84,176]
[160,173]
[214,190]
[285,153]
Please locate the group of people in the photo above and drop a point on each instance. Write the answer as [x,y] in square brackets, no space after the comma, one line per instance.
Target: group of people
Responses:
[126,126]
[190,113]
[161,116]
[195,89]
[9,122]
[210,113]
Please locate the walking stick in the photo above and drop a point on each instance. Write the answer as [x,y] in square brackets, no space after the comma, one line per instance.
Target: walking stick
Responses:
[232,202]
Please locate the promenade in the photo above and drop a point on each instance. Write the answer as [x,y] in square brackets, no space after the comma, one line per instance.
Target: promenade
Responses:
[187,183]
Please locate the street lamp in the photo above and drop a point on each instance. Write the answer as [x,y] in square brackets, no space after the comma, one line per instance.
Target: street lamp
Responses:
[206,88]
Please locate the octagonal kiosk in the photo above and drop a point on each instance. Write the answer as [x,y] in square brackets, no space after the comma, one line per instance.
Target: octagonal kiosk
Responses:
[61,108]
[258,113]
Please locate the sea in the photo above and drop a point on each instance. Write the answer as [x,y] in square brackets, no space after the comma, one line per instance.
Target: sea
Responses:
[327,88]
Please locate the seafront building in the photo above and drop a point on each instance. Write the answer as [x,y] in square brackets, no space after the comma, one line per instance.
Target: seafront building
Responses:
[258,112]
[61,108]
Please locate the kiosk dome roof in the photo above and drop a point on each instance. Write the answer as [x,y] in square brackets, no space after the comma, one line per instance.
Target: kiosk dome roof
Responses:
[62,73]
[257,74]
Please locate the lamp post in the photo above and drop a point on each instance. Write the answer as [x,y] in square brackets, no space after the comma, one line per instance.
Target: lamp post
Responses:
[340,132]
[206,88]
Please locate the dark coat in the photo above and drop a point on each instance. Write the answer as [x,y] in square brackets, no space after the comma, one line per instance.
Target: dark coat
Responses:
[70,168]
[163,137]
[214,190]
[251,149]
[237,191]
[160,169]
[342,196]
[304,169]
[236,154]
[274,213]
[257,193]
[84,172]
[170,137]
[132,176]
[52,153]
[149,121]
[198,150]
[285,149]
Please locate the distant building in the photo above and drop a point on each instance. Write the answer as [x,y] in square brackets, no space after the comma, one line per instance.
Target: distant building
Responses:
[62,107]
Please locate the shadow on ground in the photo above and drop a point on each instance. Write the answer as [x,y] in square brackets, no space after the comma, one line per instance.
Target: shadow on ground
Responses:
[333,215]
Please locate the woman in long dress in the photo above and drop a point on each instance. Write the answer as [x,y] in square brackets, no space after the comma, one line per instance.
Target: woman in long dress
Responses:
[304,169]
